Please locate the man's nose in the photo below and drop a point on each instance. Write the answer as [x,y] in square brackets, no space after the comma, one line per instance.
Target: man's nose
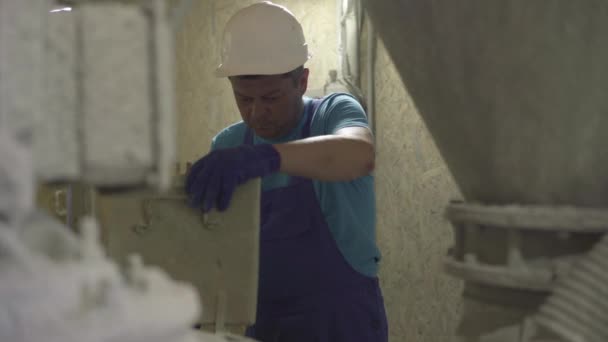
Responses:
[257,109]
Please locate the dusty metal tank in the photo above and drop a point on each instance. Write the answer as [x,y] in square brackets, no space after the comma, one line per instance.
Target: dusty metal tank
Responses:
[514,95]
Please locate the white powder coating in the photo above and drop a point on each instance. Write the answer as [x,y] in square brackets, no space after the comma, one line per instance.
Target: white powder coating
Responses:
[60,129]
[82,296]
[115,92]
[55,286]
[58,287]
[91,89]
[16,180]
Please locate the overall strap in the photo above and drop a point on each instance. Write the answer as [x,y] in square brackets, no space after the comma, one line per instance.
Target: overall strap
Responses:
[312,107]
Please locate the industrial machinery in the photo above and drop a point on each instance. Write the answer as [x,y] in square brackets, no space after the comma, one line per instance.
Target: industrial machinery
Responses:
[513,93]
[86,94]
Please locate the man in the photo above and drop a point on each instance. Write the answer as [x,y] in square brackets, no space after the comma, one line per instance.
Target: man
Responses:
[318,256]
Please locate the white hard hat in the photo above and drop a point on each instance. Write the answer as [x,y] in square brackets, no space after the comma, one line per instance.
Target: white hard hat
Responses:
[262,39]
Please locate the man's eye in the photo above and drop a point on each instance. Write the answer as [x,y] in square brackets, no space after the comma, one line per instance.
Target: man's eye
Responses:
[245,100]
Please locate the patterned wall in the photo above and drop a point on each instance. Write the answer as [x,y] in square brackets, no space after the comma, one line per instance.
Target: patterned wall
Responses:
[412,185]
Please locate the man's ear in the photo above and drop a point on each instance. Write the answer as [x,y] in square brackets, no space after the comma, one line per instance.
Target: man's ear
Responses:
[303,82]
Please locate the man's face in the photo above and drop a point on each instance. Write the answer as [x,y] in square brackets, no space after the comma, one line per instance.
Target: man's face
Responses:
[270,105]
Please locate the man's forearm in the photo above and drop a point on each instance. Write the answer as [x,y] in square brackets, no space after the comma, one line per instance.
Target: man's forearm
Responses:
[328,157]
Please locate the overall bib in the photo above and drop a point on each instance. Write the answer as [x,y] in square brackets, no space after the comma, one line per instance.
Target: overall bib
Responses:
[307,290]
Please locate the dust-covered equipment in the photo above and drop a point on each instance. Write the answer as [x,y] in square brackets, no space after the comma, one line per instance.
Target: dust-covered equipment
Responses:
[513,93]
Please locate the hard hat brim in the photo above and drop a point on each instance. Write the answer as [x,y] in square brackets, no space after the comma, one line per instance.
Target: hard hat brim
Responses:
[227,70]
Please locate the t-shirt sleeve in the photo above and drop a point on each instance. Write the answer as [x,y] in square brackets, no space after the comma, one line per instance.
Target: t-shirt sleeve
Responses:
[340,111]
[215,143]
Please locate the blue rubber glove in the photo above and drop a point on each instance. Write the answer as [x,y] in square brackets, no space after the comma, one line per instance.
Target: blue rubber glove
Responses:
[213,179]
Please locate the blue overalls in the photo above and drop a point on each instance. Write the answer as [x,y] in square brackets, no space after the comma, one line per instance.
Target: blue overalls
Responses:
[307,290]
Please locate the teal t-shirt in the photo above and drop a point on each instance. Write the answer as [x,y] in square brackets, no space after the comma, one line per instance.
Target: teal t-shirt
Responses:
[348,207]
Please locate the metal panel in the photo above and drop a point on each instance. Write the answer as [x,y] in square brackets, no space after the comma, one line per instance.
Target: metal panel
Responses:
[117,111]
[57,139]
[109,97]
[21,58]
[513,93]
[217,253]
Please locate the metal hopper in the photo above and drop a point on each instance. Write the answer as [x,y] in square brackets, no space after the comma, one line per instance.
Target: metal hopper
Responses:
[514,95]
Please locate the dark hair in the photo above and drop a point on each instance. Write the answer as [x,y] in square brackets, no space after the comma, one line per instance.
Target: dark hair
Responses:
[293,74]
